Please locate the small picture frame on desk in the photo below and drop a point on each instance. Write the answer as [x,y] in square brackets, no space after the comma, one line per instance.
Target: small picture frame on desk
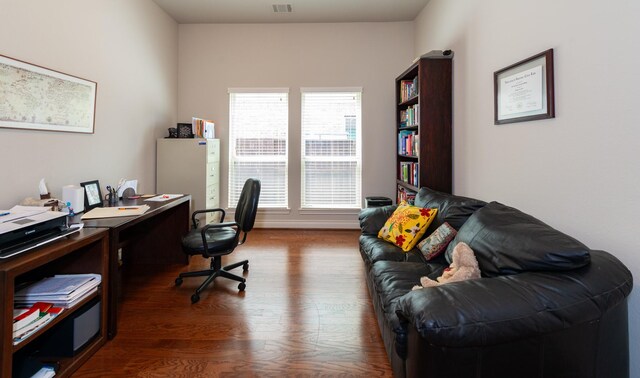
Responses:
[92,194]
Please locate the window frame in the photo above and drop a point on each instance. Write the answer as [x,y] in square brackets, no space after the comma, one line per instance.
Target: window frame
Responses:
[322,208]
[233,157]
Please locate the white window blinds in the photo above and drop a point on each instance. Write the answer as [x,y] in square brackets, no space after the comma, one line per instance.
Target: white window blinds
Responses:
[258,127]
[331,148]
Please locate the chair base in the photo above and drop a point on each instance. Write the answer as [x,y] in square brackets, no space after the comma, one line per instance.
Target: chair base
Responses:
[216,270]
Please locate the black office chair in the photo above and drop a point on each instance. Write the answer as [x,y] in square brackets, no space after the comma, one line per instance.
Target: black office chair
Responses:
[215,240]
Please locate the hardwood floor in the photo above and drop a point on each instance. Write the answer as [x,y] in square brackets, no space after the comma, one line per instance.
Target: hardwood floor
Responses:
[306,311]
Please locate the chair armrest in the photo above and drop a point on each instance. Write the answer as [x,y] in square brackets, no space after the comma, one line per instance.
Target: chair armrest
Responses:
[218,225]
[489,311]
[209,226]
[373,218]
[216,210]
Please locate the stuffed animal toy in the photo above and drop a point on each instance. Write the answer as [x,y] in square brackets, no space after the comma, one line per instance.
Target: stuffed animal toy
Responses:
[463,267]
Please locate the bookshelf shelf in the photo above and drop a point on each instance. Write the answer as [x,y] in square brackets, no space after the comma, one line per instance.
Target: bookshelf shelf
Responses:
[85,252]
[423,126]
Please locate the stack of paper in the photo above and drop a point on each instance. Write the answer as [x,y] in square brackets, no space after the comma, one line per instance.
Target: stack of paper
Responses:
[63,290]
[45,372]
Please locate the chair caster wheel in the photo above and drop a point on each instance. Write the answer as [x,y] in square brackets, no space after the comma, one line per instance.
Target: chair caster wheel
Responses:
[195,298]
[245,267]
[178,281]
[241,286]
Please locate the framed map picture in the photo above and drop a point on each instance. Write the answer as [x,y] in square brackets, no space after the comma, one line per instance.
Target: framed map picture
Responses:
[37,98]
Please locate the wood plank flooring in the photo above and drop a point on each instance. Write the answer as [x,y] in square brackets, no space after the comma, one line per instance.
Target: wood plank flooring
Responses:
[306,311]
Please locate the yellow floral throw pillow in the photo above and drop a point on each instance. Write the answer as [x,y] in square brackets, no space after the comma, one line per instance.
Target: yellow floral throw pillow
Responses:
[406,225]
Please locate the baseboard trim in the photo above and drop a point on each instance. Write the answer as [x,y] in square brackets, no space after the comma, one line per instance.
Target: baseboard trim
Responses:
[347,225]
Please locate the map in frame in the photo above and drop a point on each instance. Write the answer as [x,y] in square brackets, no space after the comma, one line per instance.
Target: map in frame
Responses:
[34,97]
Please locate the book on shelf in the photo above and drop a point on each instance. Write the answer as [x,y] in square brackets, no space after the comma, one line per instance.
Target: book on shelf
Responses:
[39,314]
[408,143]
[408,89]
[409,172]
[410,116]
[405,194]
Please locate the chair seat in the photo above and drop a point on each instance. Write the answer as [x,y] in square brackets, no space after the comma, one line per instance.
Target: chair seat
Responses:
[221,240]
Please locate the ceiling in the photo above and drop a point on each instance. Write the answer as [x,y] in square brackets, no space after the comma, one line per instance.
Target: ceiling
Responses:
[262,11]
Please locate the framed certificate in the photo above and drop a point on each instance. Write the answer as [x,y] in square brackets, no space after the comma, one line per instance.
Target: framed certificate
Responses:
[524,91]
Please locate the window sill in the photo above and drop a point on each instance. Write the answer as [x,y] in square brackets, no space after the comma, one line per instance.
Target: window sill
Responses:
[327,211]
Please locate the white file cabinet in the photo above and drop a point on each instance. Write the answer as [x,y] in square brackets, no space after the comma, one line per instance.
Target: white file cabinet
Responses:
[190,166]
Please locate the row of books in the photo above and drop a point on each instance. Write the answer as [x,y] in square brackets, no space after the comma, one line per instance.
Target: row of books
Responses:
[408,143]
[405,194]
[409,172]
[408,89]
[410,116]
[203,128]
[38,303]
[28,320]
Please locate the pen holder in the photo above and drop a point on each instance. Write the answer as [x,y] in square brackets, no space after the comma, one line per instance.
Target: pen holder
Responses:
[112,197]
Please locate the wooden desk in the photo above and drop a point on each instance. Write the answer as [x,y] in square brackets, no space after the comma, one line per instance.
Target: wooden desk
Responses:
[82,252]
[152,238]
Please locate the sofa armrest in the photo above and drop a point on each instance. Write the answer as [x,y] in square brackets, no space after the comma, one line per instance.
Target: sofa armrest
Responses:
[495,310]
[373,218]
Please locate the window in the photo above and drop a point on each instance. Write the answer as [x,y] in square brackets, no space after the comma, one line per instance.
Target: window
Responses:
[258,129]
[331,148]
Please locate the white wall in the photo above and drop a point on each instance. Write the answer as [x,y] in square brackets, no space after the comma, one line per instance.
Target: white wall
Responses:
[129,49]
[578,172]
[213,58]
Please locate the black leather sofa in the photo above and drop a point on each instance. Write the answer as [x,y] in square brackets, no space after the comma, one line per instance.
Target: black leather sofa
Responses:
[546,305]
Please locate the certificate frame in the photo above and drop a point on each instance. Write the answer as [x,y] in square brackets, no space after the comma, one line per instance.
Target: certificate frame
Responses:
[92,194]
[43,99]
[524,91]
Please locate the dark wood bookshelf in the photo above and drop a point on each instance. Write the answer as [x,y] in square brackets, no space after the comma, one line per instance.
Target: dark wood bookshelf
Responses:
[432,75]
[84,252]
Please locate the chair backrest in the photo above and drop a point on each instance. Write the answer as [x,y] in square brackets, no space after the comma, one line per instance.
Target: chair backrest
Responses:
[247,208]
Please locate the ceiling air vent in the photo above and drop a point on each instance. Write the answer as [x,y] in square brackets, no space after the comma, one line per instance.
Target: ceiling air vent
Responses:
[281,8]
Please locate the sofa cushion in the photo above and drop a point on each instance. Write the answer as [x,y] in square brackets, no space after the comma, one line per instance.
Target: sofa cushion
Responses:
[452,209]
[406,225]
[373,249]
[391,280]
[507,241]
[373,218]
[436,243]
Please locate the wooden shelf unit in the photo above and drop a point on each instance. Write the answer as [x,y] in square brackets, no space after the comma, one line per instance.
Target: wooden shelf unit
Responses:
[430,125]
[84,252]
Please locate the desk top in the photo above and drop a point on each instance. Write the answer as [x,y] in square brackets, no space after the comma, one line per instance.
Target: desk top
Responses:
[121,222]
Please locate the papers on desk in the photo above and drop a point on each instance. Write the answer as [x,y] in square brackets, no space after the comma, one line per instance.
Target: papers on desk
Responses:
[111,212]
[164,197]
